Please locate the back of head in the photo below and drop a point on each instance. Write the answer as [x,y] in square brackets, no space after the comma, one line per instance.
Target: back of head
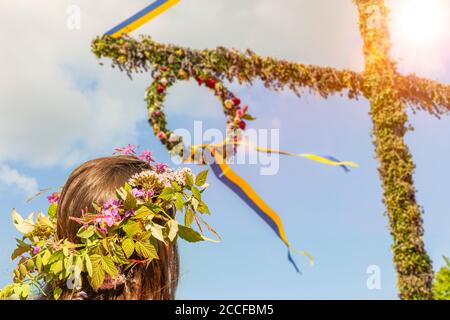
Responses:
[96,181]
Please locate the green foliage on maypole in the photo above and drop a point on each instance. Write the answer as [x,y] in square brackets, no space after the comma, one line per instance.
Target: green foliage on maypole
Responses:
[441,286]
[396,166]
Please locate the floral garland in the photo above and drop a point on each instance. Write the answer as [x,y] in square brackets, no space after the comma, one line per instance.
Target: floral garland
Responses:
[166,76]
[441,286]
[118,235]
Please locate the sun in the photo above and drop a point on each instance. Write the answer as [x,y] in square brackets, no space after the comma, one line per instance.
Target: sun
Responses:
[419,22]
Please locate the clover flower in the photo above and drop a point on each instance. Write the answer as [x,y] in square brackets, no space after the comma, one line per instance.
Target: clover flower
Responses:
[129,150]
[36,250]
[138,193]
[147,156]
[161,167]
[109,213]
[54,197]
[129,213]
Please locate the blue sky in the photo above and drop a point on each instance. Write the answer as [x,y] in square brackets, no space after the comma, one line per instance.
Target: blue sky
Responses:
[75,109]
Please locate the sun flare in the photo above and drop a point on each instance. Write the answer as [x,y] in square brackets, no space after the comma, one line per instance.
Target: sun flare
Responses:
[420,22]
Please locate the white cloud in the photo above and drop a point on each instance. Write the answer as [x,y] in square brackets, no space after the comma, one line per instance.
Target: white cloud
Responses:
[12,178]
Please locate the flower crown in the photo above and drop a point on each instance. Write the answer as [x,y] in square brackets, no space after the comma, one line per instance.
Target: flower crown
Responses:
[118,235]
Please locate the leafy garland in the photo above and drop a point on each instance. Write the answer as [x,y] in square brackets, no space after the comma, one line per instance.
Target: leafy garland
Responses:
[441,285]
[166,76]
[211,68]
[120,234]
[396,169]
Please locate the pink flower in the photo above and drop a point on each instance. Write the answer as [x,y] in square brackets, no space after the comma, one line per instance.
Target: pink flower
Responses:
[137,193]
[106,218]
[146,155]
[129,150]
[161,136]
[161,167]
[150,193]
[112,203]
[36,249]
[110,213]
[240,112]
[54,197]
[129,213]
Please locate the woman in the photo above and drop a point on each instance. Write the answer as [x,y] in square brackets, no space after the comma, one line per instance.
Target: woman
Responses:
[97,180]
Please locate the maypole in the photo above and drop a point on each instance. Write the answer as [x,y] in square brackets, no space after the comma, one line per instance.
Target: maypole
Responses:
[396,167]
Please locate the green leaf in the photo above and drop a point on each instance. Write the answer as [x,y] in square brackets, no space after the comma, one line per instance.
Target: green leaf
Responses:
[248,117]
[146,250]
[55,256]
[23,270]
[188,234]
[45,257]
[86,233]
[167,194]
[154,207]
[98,276]
[65,251]
[188,217]
[109,266]
[145,236]
[17,289]
[127,187]
[30,265]
[132,228]
[130,201]
[196,193]
[88,264]
[68,263]
[189,180]
[57,293]
[156,230]
[173,229]
[179,201]
[128,247]
[57,266]
[142,213]
[39,263]
[118,256]
[19,251]
[52,210]
[176,186]
[194,203]
[200,179]
[203,208]
[79,263]
[25,291]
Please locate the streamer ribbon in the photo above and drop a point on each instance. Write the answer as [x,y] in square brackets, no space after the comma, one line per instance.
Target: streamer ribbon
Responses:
[244,190]
[142,17]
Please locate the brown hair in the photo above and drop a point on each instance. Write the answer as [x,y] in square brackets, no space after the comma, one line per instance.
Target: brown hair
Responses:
[97,180]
